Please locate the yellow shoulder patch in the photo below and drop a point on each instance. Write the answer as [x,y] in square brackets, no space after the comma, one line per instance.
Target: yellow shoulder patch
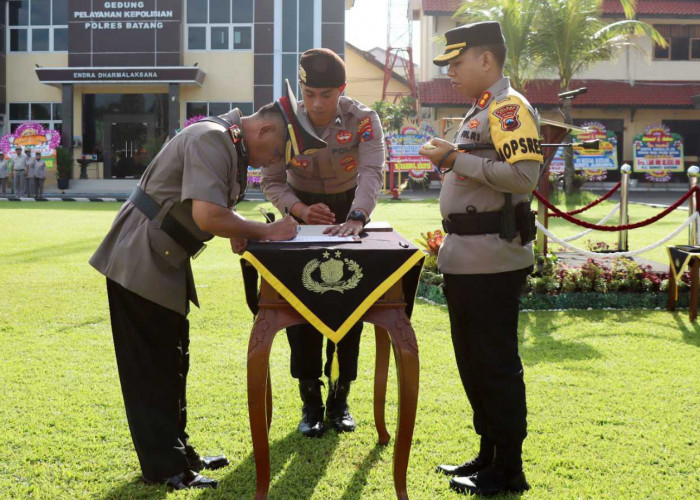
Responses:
[513,130]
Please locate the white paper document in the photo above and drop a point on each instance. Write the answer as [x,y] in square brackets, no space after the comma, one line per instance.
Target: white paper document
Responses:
[314,234]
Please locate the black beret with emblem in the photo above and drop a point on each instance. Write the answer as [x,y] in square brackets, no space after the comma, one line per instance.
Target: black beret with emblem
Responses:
[321,68]
[301,139]
[470,35]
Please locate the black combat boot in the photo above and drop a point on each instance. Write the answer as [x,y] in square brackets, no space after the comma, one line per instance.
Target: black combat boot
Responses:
[311,424]
[504,475]
[487,450]
[337,407]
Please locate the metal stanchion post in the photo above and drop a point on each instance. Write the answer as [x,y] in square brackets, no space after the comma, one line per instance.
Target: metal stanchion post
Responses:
[693,173]
[624,214]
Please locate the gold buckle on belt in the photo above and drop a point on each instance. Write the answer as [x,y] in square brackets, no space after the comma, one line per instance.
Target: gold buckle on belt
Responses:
[204,246]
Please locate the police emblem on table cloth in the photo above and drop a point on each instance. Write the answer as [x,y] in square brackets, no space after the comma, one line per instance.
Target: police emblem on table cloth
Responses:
[508,115]
[331,272]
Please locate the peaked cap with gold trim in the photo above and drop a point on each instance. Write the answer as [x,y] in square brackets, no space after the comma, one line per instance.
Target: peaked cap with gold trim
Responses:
[470,35]
[301,138]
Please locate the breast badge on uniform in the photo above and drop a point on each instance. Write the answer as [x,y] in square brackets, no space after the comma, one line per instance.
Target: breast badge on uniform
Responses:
[508,114]
[331,273]
[343,137]
[348,163]
[473,123]
[365,130]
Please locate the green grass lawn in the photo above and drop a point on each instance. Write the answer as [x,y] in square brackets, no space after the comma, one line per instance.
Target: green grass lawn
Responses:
[613,396]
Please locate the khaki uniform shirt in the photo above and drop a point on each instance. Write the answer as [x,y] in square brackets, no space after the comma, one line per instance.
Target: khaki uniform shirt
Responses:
[199,163]
[20,163]
[31,163]
[39,169]
[354,157]
[4,167]
[504,118]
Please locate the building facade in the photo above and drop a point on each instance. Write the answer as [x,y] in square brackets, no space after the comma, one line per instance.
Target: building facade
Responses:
[637,89]
[119,77]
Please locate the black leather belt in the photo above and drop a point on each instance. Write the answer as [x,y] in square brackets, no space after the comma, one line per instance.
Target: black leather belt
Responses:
[150,208]
[474,223]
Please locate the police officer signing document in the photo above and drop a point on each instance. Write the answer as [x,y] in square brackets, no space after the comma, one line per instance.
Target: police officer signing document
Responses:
[337,186]
[184,198]
[487,252]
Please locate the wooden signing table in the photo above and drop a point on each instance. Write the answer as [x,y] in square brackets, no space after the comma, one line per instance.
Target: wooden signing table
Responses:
[332,286]
[680,258]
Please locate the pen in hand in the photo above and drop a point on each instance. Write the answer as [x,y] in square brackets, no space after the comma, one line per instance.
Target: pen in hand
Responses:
[286,213]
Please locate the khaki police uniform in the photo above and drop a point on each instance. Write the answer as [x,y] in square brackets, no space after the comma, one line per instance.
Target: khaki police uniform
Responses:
[39,177]
[19,166]
[346,175]
[150,285]
[4,173]
[484,273]
[31,164]
[352,162]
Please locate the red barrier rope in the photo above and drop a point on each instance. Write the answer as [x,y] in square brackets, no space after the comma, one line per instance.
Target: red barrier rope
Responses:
[636,225]
[591,204]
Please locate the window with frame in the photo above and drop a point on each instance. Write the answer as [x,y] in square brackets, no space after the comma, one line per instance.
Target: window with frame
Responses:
[298,21]
[683,42]
[37,25]
[47,114]
[216,108]
[220,24]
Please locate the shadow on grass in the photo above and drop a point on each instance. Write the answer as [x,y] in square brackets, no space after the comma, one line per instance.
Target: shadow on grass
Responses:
[359,478]
[137,489]
[543,348]
[50,252]
[690,335]
[297,464]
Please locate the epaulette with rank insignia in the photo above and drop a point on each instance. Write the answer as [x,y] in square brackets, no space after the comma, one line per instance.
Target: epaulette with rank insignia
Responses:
[484,99]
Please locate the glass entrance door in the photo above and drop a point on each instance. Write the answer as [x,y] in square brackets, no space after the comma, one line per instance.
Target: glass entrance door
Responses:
[128,149]
[129,143]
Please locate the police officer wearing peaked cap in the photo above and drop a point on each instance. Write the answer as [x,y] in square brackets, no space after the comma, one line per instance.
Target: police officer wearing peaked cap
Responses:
[183,199]
[339,186]
[487,252]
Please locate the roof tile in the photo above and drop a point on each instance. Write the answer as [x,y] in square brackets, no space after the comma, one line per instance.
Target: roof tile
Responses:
[649,94]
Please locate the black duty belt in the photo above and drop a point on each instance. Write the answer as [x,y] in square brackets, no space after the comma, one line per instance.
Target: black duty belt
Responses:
[473,223]
[507,222]
[150,208]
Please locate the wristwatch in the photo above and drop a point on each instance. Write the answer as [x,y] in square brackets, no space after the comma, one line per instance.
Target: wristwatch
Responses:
[358,215]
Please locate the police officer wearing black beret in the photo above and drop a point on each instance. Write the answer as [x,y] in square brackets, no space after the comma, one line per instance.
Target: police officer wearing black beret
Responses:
[338,186]
[487,252]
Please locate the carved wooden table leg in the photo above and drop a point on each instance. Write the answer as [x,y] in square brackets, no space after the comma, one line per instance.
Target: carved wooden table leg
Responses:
[269,400]
[403,339]
[381,373]
[406,355]
[671,303]
[694,270]
[258,373]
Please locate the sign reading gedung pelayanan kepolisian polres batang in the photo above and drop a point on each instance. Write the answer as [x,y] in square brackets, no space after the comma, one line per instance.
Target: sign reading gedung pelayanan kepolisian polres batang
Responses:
[125,33]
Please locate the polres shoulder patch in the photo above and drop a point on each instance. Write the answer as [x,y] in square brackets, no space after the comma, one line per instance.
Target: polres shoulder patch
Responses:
[508,116]
[514,130]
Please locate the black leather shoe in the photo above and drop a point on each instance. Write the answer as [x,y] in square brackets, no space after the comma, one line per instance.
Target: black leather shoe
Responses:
[493,480]
[185,480]
[213,463]
[466,469]
[337,409]
[198,463]
[311,424]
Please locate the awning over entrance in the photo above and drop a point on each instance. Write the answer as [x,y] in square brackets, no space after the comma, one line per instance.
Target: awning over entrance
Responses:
[185,75]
